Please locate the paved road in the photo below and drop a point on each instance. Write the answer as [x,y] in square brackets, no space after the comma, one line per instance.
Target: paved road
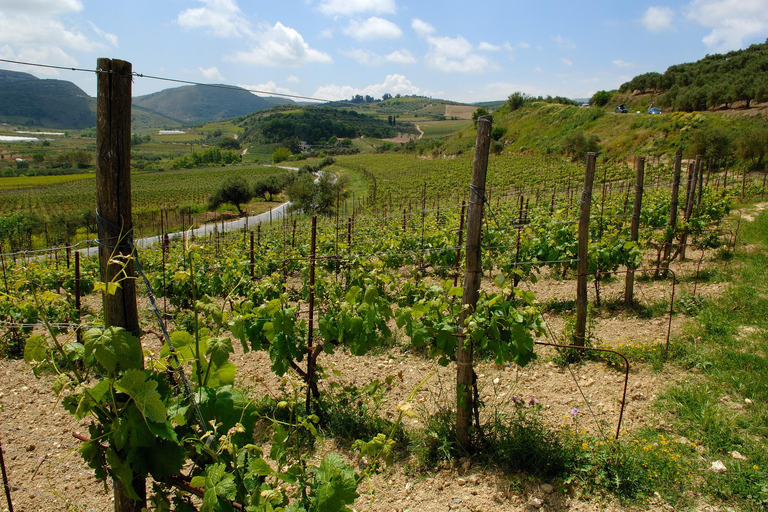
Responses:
[274,214]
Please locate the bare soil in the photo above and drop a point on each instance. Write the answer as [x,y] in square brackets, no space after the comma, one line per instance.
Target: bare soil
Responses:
[47,473]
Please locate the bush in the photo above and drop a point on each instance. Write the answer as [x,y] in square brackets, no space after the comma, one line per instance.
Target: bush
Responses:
[600,98]
[280,154]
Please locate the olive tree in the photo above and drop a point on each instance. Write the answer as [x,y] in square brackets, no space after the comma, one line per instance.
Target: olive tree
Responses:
[234,191]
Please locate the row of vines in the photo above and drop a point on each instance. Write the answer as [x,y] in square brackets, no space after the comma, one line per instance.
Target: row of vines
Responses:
[386,270]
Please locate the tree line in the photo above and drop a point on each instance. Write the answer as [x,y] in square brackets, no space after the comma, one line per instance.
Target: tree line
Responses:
[715,81]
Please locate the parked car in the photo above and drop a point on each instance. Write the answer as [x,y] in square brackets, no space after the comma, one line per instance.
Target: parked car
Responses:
[621,109]
[585,105]
[654,110]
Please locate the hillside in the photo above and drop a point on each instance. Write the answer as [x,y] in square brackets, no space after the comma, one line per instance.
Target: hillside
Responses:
[30,101]
[192,104]
[317,125]
[714,82]
[406,108]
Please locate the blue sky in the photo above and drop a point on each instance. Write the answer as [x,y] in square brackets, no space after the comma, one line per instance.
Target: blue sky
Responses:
[462,50]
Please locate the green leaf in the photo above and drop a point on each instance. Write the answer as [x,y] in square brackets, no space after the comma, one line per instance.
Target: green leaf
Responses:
[115,348]
[90,398]
[338,485]
[223,375]
[260,467]
[219,349]
[218,484]
[122,471]
[35,349]
[143,392]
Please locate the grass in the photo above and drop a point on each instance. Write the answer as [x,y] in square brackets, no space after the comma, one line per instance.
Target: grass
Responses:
[722,408]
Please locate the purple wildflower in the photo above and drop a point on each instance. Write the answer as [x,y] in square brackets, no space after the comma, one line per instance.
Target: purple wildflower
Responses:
[575,411]
[533,401]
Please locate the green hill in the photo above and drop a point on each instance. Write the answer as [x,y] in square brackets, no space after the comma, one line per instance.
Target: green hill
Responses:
[317,125]
[30,101]
[193,104]
[406,108]
[143,119]
[718,81]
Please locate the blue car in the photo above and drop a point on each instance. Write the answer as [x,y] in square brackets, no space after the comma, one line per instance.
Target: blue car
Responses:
[654,110]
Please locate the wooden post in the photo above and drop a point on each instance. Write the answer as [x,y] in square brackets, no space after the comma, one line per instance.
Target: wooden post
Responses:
[673,205]
[458,245]
[252,260]
[629,282]
[472,276]
[579,335]
[6,484]
[78,305]
[113,200]
[699,179]
[765,175]
[311,384]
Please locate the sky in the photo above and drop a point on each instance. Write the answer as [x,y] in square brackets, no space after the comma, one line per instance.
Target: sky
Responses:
[461,50]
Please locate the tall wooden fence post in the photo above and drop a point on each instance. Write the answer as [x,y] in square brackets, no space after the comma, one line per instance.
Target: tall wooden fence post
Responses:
[629,282]
[311,384]
[472,276]
[579,334]
[113,202]
[673,204]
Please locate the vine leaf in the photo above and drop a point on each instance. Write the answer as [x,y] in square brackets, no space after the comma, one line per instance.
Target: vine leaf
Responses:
[122,471]
[219,349]
[218,484]
[143,392]
[338,485]
[114,348]
[35,349]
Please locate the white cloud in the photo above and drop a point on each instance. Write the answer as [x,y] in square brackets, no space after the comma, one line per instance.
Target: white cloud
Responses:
[43,37]
[393,84]
[37,54]
[110,38]
[501,90]
[265,89]
[327,33]
[292,79]
[280,46]
[364,57]
[621,64]
[401,56]
[488,47]
[373,28]
[455,54]
[221,18]
[537,69]
[565,44]
[352,7]
[368,58]
[422,28]
[567,62]
[41,7]
[211,73]
[732,21]
[658,19]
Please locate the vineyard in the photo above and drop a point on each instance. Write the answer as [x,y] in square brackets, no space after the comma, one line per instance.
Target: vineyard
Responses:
[311,364]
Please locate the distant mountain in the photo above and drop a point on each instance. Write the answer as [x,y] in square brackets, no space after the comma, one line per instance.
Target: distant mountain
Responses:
[28,100]
[143,119]
[200,104]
